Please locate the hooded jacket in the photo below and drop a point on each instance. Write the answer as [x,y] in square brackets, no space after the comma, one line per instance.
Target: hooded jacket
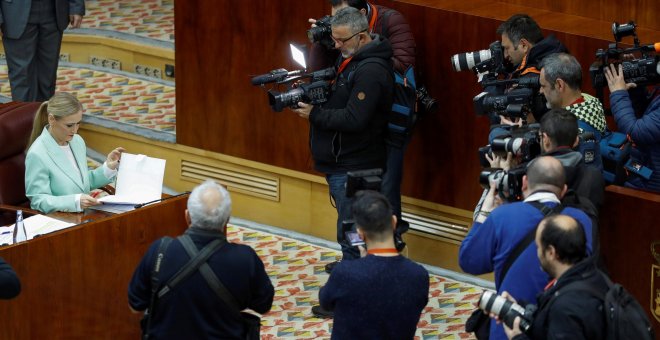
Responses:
[645,133]
[348,131]
[545,47]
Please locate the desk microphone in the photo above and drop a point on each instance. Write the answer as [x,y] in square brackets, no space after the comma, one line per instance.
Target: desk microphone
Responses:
[138,206]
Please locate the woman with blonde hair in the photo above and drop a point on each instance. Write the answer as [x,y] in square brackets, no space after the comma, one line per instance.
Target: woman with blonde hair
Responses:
[56,174]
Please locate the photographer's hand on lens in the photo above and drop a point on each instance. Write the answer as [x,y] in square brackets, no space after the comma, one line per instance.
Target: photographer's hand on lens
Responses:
[303,110]
[513,332]
[363,251]
[497,161]
[312,22]
[615,80]
[515,122]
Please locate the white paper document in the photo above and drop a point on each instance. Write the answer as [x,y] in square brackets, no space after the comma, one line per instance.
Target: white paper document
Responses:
[139,180]
[34,226]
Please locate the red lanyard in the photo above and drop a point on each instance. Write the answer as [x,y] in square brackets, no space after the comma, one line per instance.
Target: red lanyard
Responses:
[343,65]
[372,22]
[383,251]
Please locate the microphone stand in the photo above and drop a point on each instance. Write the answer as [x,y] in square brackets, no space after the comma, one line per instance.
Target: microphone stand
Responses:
[138,206]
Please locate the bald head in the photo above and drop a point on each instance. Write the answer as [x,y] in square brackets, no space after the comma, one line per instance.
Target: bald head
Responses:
[546,173]
[209,206]
[566,235]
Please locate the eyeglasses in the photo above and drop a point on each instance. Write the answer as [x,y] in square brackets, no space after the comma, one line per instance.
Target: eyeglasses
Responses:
[342,41]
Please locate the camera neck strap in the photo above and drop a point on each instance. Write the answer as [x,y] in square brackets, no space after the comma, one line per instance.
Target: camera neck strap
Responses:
[529,238]
[374,16]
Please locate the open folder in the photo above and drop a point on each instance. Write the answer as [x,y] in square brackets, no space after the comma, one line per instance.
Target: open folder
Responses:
[139,180]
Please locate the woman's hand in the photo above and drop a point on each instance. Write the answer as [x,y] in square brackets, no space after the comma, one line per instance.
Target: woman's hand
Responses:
[87,201]
[113,158]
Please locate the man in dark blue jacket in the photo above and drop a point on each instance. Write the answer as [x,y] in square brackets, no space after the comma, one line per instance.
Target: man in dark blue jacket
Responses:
[347,133]
[643,130]
[191,309]
[382,294]
[498,229]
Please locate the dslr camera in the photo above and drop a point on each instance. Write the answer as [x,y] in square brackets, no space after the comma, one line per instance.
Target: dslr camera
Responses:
[642,71]
[508,183]
[322,33]
[507,310]
[523,142]
[483,61]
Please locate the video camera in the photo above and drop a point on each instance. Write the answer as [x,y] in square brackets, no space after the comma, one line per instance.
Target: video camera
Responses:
[642,71]
[522,97]
[322,33]
[514,98]
[314,92]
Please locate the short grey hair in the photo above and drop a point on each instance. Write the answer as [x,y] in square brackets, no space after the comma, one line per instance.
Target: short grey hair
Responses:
[209,206]
[562,66]
[351,17]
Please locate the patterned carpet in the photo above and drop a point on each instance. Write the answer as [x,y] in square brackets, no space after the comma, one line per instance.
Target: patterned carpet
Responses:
[121,97]
[296,269]
[152,19]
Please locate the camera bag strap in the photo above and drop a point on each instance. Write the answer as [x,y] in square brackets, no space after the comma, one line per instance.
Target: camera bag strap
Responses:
[210,277]
[529,238]
[155,281]
[196,260]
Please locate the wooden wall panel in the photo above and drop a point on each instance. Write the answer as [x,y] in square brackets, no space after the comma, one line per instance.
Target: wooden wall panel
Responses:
[629,233]
[221,43]
[643,12]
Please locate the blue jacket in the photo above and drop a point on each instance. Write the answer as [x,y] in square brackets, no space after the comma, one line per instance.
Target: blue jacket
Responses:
[487,246]
[51,182]
[645,133]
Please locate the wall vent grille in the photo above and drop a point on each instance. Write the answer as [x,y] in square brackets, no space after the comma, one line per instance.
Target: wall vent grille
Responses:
[448,231]
[236,179]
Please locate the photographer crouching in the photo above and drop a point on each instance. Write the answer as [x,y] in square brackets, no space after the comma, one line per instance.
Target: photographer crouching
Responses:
[644,130]
[347,132]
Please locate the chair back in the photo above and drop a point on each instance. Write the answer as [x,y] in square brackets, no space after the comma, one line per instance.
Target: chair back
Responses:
[16,120]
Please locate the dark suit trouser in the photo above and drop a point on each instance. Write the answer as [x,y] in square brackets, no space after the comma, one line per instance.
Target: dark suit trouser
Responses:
[32,59]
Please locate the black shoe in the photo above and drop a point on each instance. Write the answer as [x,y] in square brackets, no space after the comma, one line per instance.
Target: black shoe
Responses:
[330,266]
[398,242]
[322,313]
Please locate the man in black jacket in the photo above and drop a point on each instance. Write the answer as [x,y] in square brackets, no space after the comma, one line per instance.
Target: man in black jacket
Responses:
[347,133]
[563,313]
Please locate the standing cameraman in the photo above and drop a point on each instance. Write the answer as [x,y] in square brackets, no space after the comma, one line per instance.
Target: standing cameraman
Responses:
[644,130]
[347,133]
[391,25]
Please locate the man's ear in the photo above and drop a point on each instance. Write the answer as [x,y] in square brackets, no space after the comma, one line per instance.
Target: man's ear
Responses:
[525,44]
[560,84]
[364,12]
[361,233]
[577,141]
[551,252]
[524,183]
[394,220]
[188,220]
[563,191]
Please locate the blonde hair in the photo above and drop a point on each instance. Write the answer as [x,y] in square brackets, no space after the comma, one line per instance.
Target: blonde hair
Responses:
[60,105]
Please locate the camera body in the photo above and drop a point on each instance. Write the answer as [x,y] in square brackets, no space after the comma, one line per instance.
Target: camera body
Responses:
[514,102]
[490,60]
[508,183]
[370,179]
[642,71]
[322,33]
[507,310]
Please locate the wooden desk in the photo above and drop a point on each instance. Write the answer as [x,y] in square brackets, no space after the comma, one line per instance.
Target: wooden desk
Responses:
[75,281]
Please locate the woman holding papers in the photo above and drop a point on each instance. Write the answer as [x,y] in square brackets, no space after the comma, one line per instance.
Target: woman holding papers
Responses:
[56,173]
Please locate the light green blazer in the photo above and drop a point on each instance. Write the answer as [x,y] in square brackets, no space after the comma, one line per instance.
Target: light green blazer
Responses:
[51,181]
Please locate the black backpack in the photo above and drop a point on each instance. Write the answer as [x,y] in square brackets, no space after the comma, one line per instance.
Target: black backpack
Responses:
[402,115]
[624,316]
